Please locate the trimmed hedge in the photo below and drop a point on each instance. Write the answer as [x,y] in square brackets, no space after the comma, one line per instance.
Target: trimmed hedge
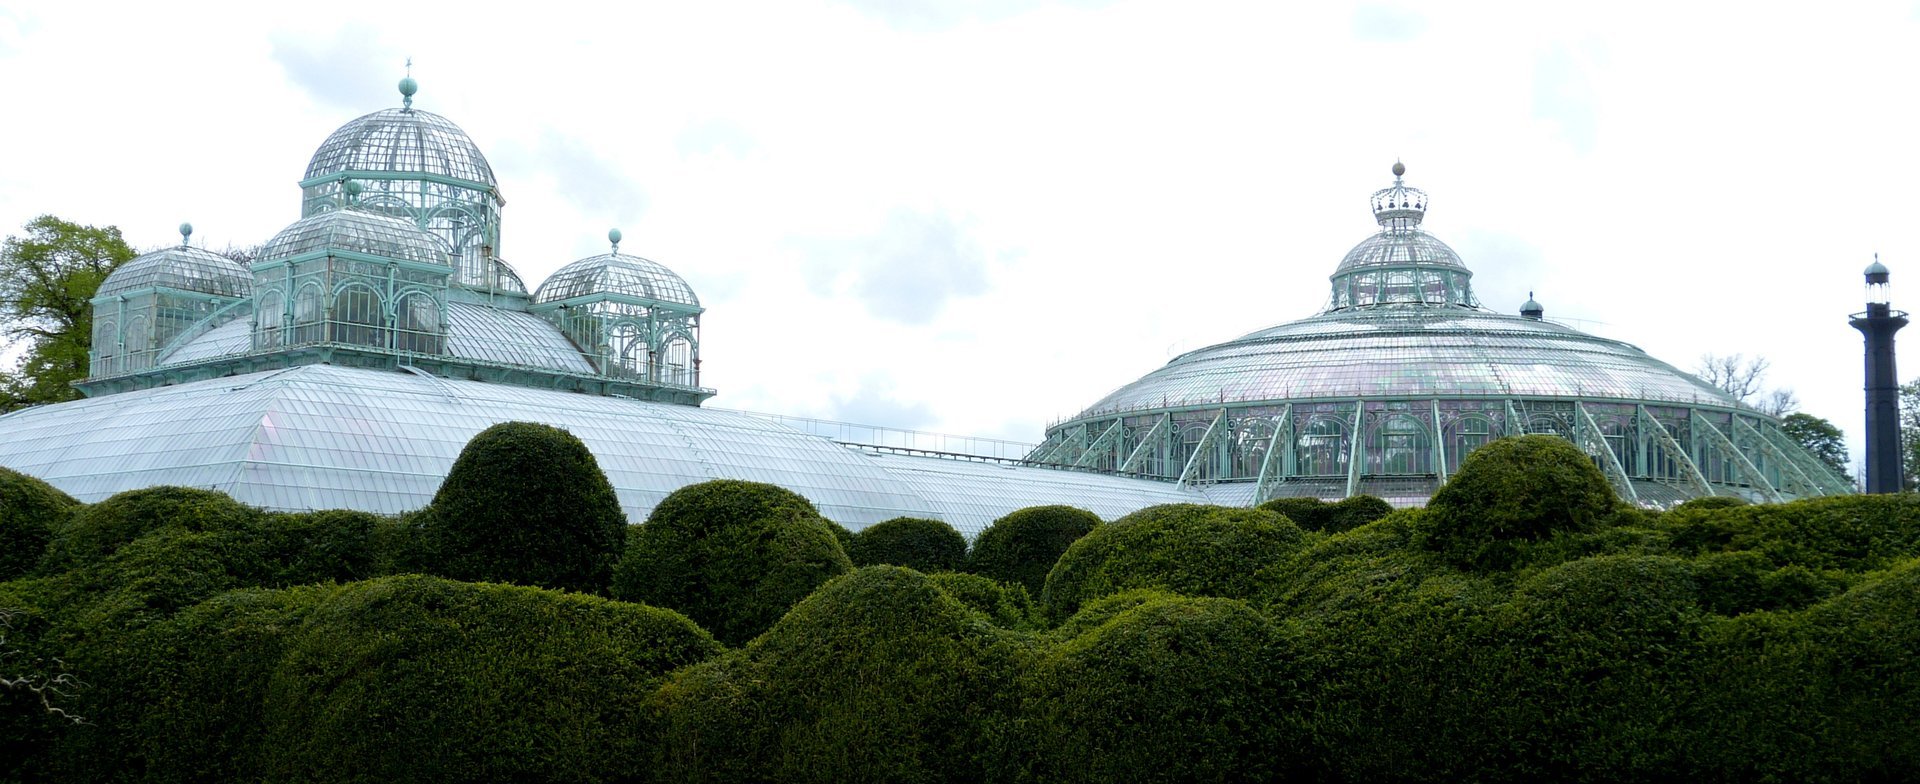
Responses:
[1169,688]
[912,542]
[421,679]
[1823,694]
[526,503]
[1514,491]
[731,555]
[1008,606]
[96,531]
[1855,533]
[878,676]
[30,511]
[1186,548]
[1024,545]
[1346,514]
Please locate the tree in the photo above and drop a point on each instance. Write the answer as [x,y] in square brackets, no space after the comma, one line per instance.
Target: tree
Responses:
[1820,437]
[1745,379]
[46,280]
[1910,435]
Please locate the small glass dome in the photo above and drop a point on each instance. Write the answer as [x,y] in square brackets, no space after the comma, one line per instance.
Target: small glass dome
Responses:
[402,140]
[617,273]
[352,230]
[184,268]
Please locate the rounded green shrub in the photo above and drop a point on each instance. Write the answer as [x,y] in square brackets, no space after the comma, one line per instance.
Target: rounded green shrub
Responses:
[1009,606]
[1171,689]
[878,676]
[912,542]
[95,531]
[30,511]
[1192,549]
[527,503]
[421,679]
[1023,546]
[731,555]
[1512,492]
[1346,514]
[1708,503]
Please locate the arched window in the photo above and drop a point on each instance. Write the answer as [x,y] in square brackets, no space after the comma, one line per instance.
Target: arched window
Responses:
[1615,433]
[1468,433]
[417,323]
[1404,447]
[359,317]
[307,314]
[627,350]
[1322,447]
[677,362]
[267,320]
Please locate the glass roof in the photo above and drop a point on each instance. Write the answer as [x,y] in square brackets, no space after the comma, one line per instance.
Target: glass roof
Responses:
[322,436]
[352,230]
[183,267]
[508,337]
[617,273]
[402,140]
[1411,352]
[233,337]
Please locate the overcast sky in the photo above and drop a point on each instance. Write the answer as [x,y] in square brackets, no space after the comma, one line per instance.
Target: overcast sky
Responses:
[980,217]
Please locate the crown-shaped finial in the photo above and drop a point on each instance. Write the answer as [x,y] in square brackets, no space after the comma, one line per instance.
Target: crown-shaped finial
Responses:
[1399,208]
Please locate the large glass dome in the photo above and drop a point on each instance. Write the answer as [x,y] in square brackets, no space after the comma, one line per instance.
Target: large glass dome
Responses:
[1403,374]
[403,140]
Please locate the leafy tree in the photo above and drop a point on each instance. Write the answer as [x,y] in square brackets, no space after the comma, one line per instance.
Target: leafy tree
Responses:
[1820,437]
[46,280]
[526,503]
[1910,435]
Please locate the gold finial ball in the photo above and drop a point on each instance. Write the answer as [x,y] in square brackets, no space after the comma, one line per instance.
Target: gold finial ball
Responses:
[1399,168]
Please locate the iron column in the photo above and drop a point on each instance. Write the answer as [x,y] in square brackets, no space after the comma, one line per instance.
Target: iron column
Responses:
[1883,385]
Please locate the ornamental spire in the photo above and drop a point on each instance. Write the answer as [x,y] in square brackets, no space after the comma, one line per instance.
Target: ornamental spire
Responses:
[408,87]
[1399,208]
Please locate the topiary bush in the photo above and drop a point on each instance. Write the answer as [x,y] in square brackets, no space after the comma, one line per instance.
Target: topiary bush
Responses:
[416,678]
[1169,688]
[527,503]
[1515,491]
[731,555]
[1855,533]
[30,511]
[95,531]
[1023,546]
[1346,514]
[1186,548]
[912,542]
[1007,606]
[878,676]
[330,545]
[1821,694]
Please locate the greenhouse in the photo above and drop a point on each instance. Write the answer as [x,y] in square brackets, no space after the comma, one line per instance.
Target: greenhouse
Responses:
[347,364]
[1402,374]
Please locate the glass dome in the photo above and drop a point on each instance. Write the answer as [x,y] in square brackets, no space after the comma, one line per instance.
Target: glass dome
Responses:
[402,141]
[1402,375]
[361,232]
[182,268]
[617,273]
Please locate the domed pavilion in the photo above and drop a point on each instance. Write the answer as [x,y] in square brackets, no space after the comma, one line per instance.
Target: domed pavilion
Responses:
[1404,373]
